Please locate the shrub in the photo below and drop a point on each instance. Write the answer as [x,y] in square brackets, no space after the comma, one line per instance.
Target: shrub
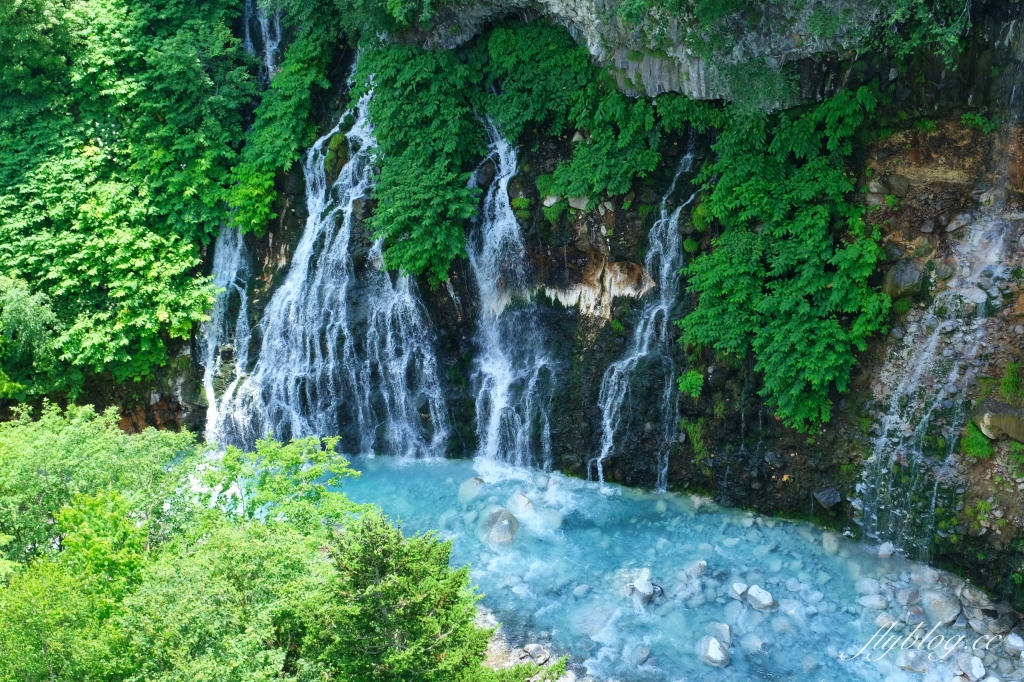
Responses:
[691,382]
[979,122]
[1010,387]
[975,443]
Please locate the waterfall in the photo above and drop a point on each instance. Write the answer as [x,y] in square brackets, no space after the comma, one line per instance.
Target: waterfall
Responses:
[230,276]
[400,359]
[514,372]
[650,342]
[312,377]
[269,28]
[925,378]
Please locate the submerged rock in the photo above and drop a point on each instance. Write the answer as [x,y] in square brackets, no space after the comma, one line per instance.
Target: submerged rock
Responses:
[498,526]
[470,489]
[713,652]
[830,543]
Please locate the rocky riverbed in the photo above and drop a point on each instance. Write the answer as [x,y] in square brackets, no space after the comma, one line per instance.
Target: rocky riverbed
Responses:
[632,585]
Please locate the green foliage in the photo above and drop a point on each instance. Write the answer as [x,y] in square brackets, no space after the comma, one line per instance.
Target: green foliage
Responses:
[975,443]
[554,211]
[394,610]
[139,560]
[45,464]
[978,122]
[925,125]
[778,282]
[691,246]
[28,354]
[291,479]
[617,326]
[696,431]
[282,126]
[427,136]
[691,382]
[119,122]
[902,306]
[1010,386]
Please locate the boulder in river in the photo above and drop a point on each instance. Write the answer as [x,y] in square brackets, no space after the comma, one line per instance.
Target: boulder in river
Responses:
[470,489]
[713,652]
[940,606]
[830,543]
[760,598]
[498,526]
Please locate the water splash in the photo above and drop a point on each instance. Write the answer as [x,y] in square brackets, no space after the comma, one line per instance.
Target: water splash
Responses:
[231,274]
[269,29]
[514,370]
[650,342]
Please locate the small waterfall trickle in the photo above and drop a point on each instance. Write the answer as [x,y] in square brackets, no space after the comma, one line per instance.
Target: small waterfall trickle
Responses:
[269,28]
[514,370]
[650,342]
[218,337]
[926,376]
[312,377]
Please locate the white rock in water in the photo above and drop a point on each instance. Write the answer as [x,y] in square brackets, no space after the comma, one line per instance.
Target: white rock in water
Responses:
[912,660]
[499,526]
[873,601]
[737,590]
[520,502]
[470,489]
[539,654]
[721,632]
[751,643]
[885,550]
[971,665]
[697,568]
[641,655]
[760,598]
[713,652]
[830,543]
[661,506]
[1014,644]
[940,607]
[866,586]
[581,591]
[541,480]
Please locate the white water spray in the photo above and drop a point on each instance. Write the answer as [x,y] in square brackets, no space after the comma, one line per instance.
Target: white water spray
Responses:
[514,370]
[650,342]
[218,338]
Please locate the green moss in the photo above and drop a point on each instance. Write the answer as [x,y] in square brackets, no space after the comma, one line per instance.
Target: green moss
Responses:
[976,444]
[1010,384]
[902,306]
[691,245]
[617,326]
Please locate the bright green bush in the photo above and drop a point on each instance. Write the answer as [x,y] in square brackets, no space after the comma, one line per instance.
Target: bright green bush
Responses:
[137,560]
[119,122]
[777,282]
[691,382]
[975,443]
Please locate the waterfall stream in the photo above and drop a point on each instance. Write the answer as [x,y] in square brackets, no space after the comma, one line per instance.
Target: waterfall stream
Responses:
[269,28]
[312,376]
[514,370]
[650,342]
[925,378]
[218,336]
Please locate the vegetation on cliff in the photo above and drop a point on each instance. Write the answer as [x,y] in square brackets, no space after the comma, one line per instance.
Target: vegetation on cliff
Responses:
[143,558]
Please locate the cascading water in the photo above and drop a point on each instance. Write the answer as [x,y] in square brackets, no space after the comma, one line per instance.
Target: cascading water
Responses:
[650,342]
[924,379]
[230,275]
[400,358]
[269,28]
[514,370]
[311,378]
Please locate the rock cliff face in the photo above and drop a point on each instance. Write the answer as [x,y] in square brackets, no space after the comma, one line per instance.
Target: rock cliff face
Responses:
[590,282]
[657,55]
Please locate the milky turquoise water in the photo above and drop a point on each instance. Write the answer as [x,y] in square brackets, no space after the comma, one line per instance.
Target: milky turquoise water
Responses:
[575,533]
